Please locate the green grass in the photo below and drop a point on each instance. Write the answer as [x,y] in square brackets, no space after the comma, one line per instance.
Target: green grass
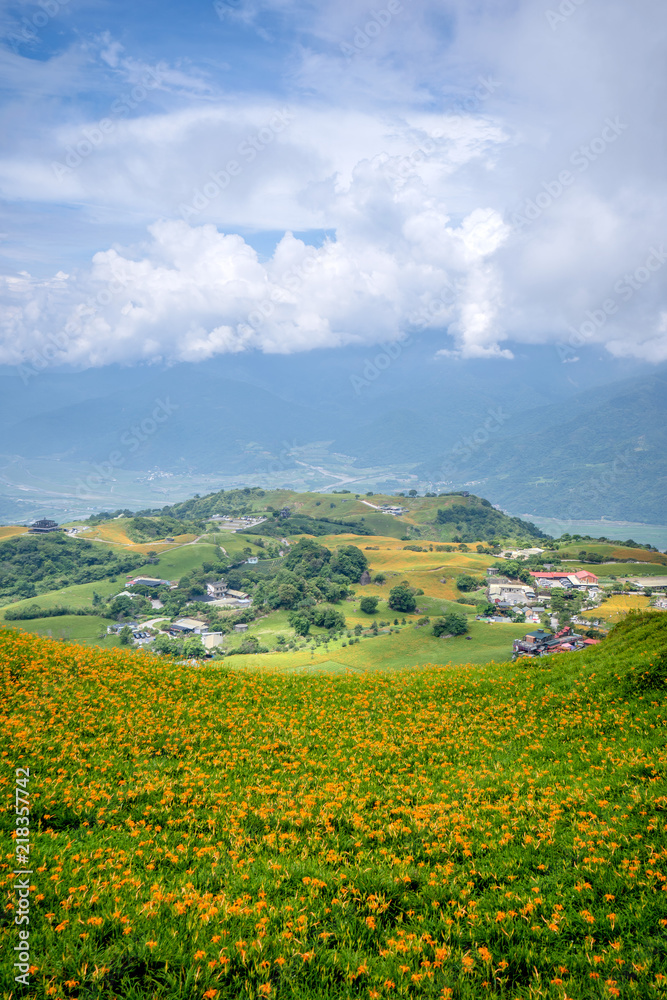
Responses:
[234,543]
[180,561]
[86,629]
[410,646]
[627,569]
[78,596]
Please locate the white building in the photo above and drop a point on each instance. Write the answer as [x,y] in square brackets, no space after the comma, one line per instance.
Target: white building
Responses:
[511,593]
[217,589]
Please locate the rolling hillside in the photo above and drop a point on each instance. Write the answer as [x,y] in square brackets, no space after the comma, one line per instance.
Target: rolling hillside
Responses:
[435,832]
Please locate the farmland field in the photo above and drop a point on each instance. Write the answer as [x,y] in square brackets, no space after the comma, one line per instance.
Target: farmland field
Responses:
[448,832]
[617,606]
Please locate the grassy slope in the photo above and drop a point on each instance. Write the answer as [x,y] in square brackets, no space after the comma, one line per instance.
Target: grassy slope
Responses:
[11,531]
[78,596]
[178,561]
[410,646]
[484,831]
[86,629]
[610,549]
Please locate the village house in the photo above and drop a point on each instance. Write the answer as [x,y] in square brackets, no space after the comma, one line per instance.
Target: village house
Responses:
[541,643]
[252,560]
[582,578]
[187,626]
[521,553]
[217,589]
[511,593]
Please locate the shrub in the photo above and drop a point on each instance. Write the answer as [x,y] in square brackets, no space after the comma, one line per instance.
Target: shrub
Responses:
[451,624]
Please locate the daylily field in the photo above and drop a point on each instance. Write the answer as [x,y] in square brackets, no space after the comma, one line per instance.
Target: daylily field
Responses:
[451,832]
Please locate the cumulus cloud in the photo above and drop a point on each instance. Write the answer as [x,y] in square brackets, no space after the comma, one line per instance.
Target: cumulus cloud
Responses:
[192,292]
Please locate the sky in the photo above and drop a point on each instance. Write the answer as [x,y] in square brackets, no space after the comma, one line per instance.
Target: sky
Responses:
[181,181]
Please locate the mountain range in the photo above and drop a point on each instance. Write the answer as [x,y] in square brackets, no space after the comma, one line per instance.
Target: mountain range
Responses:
[538,436]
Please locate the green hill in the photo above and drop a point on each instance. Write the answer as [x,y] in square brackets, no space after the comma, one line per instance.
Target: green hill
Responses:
[461,516]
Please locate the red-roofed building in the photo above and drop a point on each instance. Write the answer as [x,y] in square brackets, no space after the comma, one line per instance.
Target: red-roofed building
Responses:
[586,576]
[550,576]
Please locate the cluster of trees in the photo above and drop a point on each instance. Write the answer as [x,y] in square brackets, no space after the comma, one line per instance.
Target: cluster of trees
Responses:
[147,529]
[628,544]
[565,604]
[190,648]
[516,570]
[311,574]
[479,519]
[303,524]
[109,515]
[321,615]
[232,503]
[33,564]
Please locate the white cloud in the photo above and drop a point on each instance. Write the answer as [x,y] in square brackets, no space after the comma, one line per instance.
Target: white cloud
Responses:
[422,175]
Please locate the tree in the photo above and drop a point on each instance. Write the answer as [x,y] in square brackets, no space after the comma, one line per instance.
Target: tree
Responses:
[167,646]
[451,624]
[379,578]
[125,636]
[412,493]
[122,607]
[328,618]
[401,598]
[300,623]
[349,561]
[369,605]
[466,582]
[485,608]
[194,648]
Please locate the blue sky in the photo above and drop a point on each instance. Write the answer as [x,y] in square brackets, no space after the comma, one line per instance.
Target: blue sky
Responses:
[181,181]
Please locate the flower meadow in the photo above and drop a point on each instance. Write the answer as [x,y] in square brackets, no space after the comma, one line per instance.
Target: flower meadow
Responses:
[450,832]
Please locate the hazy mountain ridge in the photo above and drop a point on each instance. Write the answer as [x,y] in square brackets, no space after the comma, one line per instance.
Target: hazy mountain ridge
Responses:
[250,416]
